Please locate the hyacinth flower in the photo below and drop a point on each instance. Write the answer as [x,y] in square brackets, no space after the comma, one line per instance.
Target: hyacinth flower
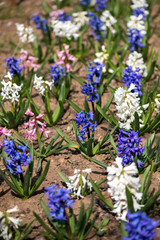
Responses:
[13,65]
[15,157]
[65,58]
[12,93]
[139,226]
[5,132]
[135,77]
[63,17]
[97,27]
[39,22]
[64,224]
[129,147]
[29,61]
[101,5]
[135,39]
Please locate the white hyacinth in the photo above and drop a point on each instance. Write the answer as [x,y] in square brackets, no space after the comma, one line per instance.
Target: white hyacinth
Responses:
[135,60]
[102,57]
[108,20]
[137,23]
[78,182]
[80,18]
[127,103]
[65,29]
[138,4]
[7,222]
[25,33]
[157,103]
[10,91]
[119,178]
[40,85]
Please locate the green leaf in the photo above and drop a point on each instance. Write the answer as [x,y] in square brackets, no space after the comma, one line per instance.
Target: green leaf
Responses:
[136,127]
[144,178]
[151,201]
[63,177]
[78,79]
[123,231]
[113,144]
[94,160]
[58,113]
[129,200]
[74,106]
[72,144]
[103,199]
[39,180]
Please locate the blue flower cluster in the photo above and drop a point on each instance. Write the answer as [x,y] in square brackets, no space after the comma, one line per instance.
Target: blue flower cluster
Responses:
[139,11]
[95,72]
[16,159]
[90,91]
[135,77]
[85,121]
[129,147]
[59,199]
[135,39]
[13,64]
[63,17]
[101,5]
[140,227]
[40,22]
[96,26]
[57,72]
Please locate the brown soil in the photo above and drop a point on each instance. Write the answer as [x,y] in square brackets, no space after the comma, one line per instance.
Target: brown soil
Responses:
[69,159]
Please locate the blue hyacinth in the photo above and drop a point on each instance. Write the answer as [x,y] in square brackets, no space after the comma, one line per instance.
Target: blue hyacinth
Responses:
[13,64]
[59,200]
[57,72]
[129,147]
[140,11]
[96,26]
[91,92]
[63,17]
[101,5]
[95,73]
[135,77]
[40,22]
[84,121]
[135,39]
[85,3]
[140,227]
[14,159]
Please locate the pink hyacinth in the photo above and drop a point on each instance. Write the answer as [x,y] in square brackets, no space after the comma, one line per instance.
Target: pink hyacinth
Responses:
[29,61]
[33,124]
[54,14]
[64,58]
[6,132]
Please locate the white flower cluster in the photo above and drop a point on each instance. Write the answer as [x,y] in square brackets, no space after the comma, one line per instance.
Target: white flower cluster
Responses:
[157,103]
[135,60]
[80,18]
[41,85]
[140,4]
[10,91]
[137,23]
[25,33]
[127,103]
[78,182]
[102,57]
[108,20]
[7,222]
[118,179]
[65,29]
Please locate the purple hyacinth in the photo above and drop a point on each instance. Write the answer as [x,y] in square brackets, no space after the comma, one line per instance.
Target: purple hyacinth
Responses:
[13,64]
[84,121]
[40,22]
[101,5]
[96,26]
[14,159]
[59,200]
[57,72]
[135,39]
[91,92]
[140,227]
[129,147]
[63,17]
[95,73]
[135,77]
